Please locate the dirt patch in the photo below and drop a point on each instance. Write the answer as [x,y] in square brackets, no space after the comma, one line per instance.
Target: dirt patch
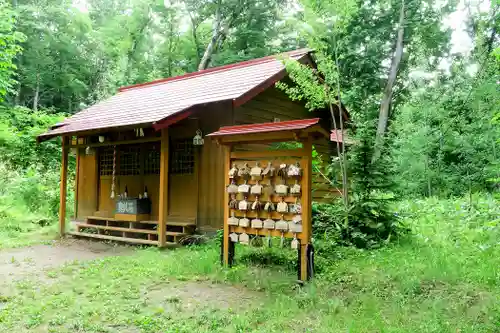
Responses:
[189,296]
[31,261]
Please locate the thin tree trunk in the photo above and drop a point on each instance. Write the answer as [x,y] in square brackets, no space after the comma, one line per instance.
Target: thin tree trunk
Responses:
[339,153]
[17,99]
[194,29]
[341,119]
[388,91]
[37,93]
[469,180]
[205,60]
[494,151]
[136,39]
[429,188]
[170,49]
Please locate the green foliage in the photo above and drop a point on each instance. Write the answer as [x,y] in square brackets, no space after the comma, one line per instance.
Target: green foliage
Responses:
[73,58]
[442,279]
[368,219]
[29,203]
[18,130]
[9,48]
[443,139]
[29,176]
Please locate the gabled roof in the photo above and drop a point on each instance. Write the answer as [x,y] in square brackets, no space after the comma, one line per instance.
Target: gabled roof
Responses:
[290,125]
[163,102]
[279,131]
[336,136]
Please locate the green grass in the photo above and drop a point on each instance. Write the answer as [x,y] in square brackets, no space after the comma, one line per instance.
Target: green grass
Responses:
[29,201]
[444,277]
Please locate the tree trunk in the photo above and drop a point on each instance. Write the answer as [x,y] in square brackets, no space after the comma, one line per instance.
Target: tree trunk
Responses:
[205,60]
[17,99]
[194,29]
[388,91]
[37,93]
[136,39]
[345,183]
[339,152]
[427,171]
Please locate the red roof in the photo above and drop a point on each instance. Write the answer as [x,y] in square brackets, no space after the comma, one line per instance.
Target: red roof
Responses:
[165,101]
[336,136]
[293,125]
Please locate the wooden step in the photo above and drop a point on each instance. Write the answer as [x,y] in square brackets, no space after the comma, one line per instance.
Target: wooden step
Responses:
[148,222]
[181,221]
[103,227]
[100,218]
[132,230]
[115,238]
[171,220]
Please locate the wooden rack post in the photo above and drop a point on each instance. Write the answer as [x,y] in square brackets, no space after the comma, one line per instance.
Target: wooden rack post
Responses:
[227,166]
[306,209]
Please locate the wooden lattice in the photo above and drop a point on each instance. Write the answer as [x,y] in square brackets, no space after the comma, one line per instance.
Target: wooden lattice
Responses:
[152,160]
[130,162]
[106,161]
[181,157]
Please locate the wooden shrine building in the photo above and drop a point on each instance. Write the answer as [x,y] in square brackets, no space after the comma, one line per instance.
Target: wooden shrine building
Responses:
[150,138]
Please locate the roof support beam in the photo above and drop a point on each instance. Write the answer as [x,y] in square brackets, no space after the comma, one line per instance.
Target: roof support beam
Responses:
[176,117]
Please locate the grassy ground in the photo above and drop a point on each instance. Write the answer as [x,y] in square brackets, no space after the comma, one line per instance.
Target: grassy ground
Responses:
[445,277]
[29,202]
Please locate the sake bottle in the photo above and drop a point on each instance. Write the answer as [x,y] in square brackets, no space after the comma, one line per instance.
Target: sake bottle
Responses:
[145,192]
[125,194]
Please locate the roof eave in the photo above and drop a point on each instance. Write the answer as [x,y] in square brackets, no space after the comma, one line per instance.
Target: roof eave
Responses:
[48,135]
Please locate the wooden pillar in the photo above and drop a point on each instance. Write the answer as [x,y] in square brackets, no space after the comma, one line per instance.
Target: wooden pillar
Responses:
[227,166]
[77,180]
[63,186]
[163,194]
[306,205]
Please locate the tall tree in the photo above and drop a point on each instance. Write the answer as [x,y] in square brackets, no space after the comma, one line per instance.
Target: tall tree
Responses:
[233,18]
[383,117]
[9,48]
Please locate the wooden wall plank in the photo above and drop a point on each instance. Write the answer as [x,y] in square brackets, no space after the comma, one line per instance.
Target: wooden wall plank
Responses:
[87,179]
[77,179]
[211,170]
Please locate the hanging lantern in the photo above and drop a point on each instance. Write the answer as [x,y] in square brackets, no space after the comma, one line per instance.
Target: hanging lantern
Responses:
[101,138]
[198,139]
